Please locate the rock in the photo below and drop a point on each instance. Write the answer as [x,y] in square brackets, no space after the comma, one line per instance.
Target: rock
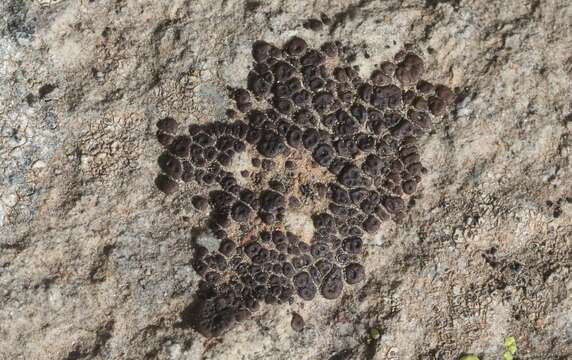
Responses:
[95,261]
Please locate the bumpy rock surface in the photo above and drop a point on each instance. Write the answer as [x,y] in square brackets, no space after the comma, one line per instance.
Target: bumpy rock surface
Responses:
[469,241]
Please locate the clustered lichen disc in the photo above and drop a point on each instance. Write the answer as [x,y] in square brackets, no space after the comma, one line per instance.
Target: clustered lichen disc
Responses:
[320,138]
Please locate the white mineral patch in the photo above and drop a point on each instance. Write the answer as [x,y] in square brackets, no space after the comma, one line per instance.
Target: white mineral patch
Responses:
[300,224]
[208,240]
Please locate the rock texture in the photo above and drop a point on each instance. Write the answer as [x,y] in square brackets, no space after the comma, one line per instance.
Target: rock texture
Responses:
[97,263]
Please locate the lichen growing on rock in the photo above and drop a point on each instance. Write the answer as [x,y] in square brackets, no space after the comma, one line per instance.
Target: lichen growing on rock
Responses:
[318,136]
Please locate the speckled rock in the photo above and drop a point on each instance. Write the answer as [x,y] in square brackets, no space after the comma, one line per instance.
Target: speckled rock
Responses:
[95,262]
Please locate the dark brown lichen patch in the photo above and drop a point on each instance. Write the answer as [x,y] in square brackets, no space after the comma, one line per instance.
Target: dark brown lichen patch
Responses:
[320,141]
[297,322]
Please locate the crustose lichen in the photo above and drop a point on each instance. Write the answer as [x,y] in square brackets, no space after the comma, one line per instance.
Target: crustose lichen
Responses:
[320,138]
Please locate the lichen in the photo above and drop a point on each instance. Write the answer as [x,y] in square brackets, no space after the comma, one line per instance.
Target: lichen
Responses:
[319,136]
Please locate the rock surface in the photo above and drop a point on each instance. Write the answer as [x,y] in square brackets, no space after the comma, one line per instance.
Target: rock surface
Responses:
[96,263]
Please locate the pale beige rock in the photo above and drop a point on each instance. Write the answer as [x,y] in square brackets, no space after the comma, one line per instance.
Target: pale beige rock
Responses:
[95,262]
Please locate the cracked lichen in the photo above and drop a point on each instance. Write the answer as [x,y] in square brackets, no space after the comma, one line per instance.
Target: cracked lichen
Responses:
[322,141]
